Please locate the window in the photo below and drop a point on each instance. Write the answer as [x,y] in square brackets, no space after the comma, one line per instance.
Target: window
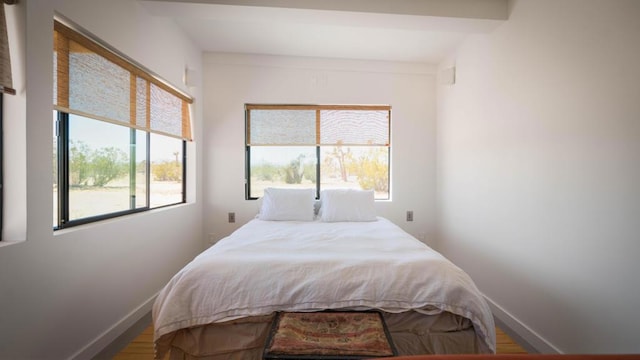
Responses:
[321,146]
[119,134]
[6,87]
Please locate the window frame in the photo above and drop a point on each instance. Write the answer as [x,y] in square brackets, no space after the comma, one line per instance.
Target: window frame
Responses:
[63,221]
[318,145]
[71,32]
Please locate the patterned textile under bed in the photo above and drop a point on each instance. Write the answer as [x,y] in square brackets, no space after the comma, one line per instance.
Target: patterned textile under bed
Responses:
[222,303]
[329,335]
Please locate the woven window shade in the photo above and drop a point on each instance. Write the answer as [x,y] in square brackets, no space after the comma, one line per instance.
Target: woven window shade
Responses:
[282,127]
[354,127]
[6,81]
[142,109]
[286,125]
[93,82]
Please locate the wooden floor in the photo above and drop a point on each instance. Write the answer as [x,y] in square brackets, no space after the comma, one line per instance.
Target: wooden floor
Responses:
[506,345]
[141,348]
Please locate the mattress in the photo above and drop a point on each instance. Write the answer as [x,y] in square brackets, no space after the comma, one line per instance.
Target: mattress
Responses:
[268,266]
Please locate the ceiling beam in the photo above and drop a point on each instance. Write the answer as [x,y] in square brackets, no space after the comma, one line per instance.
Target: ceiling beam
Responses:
[469,9]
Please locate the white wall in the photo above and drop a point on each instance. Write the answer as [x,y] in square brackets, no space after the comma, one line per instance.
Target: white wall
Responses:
[539,166]
[233,80]
[70,293]
[14,222]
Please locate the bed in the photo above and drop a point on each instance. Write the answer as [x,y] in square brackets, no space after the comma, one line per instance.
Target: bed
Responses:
[221,305]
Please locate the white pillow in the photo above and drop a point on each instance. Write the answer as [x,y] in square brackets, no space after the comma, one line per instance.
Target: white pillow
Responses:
[347,205]
[287,204]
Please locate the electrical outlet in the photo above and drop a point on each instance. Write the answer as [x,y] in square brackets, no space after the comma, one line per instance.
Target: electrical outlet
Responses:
[232,217]
[409,215]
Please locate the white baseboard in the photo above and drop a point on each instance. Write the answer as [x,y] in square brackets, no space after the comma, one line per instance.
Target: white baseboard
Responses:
[519,332]
[107,344]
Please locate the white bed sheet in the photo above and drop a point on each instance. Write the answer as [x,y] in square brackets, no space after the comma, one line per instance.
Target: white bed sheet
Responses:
[268,266]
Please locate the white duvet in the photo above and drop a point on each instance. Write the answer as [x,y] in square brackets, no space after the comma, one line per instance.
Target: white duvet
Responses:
[268,266]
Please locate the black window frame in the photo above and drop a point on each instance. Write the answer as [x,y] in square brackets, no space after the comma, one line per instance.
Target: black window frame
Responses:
[317,147]
[62,136]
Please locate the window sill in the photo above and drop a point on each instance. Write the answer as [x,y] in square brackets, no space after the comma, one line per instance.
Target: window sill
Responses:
[7,243]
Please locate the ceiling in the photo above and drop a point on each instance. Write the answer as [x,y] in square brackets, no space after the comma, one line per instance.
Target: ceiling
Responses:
[423,31]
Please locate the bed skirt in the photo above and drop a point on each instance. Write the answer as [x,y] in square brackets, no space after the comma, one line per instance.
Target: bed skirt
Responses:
[242,339]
